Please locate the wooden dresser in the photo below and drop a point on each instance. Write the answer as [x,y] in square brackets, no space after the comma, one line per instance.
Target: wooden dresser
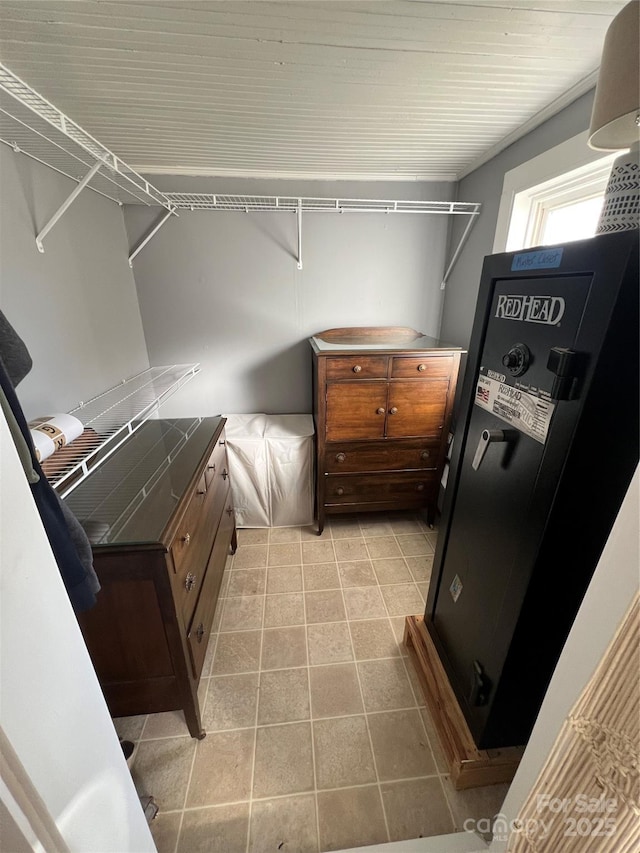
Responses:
[159,515]
[382,404]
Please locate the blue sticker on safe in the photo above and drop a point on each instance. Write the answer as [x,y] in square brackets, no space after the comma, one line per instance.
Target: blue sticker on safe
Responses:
[543,259]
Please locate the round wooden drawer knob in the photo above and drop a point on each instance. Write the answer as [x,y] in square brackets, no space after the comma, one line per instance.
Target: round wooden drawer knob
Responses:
[380,411]
[425,454]
[422,367]
[420,487]
[393,410]
[339,491]
[356,368]
[340,457]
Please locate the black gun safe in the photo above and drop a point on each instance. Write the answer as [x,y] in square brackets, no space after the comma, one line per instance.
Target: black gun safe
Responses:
[544,450]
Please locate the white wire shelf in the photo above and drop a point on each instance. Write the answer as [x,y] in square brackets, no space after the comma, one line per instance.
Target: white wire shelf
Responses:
[109,419]
[246,203]
[106,505]
[33,126]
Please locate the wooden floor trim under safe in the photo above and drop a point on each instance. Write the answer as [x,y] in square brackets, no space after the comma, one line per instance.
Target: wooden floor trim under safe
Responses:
[469,766]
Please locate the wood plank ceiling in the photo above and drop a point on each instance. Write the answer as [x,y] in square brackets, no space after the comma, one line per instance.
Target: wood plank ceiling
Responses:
[371,90]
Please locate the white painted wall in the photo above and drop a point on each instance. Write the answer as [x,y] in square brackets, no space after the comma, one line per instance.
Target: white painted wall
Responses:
[75,306]
[51,706]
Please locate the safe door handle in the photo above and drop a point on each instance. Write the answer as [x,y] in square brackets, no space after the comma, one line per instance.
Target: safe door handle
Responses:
[487,437]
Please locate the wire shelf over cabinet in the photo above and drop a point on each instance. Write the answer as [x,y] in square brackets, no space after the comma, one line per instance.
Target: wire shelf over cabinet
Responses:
[106,504]
[109,419]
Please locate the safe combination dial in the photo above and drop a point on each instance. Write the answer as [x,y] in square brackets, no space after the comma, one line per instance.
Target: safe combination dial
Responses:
[517,360]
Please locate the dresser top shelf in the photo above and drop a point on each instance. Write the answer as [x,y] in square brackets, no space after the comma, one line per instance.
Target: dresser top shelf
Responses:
[384,339]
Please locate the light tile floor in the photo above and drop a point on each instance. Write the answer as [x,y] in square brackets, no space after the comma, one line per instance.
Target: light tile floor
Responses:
[317,734]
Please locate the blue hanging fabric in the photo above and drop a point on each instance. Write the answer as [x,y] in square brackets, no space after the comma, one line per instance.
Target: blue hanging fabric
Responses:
[68,540]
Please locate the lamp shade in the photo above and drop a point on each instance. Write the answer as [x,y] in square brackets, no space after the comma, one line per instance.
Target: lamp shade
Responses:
[617,100]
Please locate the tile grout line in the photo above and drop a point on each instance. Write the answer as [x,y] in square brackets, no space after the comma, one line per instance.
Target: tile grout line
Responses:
[366,719]
[255,724]
[405,663]
[402,658]
[313,746]
[298,624]
[298,794]
[202,710]
[294,722]
[309,665]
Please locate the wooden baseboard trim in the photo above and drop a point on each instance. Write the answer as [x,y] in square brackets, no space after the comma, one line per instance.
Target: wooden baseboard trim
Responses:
[469,767]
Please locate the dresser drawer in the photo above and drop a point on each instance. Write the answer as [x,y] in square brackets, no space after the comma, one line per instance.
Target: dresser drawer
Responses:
[200,628]
[189,577]
[421,367]
[415,486]
[357,367]
[380,456]
[188,544]
[217,464]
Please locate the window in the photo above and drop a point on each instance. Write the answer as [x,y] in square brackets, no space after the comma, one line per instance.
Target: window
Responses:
[556,197]
[559,210]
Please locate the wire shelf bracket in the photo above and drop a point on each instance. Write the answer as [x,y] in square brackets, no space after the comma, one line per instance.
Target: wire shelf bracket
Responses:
[151,233]
[299,220]
[456,254]
[109,419]
[65,204]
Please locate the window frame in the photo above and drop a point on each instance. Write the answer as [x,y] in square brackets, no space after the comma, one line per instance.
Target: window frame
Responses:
[568,172]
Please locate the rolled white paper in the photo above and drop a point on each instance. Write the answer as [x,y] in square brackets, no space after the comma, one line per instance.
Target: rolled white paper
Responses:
[43,444]
[51,433]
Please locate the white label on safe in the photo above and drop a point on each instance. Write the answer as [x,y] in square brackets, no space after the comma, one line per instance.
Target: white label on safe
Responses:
[456,588]
[527,412]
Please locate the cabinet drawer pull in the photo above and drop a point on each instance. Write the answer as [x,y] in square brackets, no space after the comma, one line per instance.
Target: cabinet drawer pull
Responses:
[422,367]
[230,511]
[425,454]
[201,492]
[189,581]
[356,368]
[340,457]
[211,467]
[393,410]
[380,411]
[420,487]
[339,491]
[200,632]
[225,473]
[222,443]
[186,538]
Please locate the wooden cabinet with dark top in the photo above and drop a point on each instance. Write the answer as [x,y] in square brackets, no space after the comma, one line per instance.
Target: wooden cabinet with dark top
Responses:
[160,519]
[383,398]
